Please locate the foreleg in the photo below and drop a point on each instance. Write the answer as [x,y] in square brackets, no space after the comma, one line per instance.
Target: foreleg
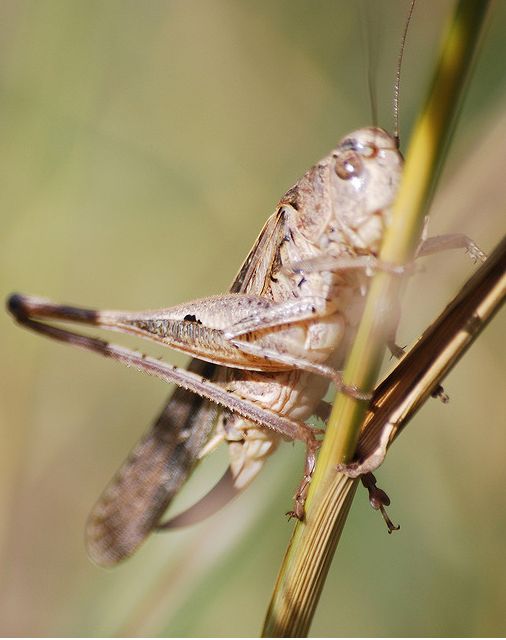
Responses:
[436,244]
[370,264]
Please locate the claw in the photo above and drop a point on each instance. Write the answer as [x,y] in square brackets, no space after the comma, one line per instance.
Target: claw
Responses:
[378,500]
[294,514]
[396,351]
[440,393]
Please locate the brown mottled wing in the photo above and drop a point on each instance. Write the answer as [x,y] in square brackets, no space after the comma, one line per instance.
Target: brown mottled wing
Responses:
[153,473]
[134,501]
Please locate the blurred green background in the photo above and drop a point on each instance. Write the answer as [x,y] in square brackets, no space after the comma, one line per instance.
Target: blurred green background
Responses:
[143,146]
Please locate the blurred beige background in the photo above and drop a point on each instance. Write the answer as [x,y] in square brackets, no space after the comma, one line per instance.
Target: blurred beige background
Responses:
[143,146]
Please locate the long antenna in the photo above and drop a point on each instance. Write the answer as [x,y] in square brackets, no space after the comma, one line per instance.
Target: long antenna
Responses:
[367,37]
[397,85]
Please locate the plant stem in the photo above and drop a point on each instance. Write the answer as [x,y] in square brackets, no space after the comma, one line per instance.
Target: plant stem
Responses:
[313,543]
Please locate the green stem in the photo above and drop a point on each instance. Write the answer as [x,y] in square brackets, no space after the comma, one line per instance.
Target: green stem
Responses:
[313,543]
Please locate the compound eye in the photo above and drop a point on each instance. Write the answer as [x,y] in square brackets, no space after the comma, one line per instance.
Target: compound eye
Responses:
[349,165]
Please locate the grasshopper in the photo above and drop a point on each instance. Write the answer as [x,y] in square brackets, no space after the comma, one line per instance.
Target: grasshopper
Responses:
[263,354]
[272,344]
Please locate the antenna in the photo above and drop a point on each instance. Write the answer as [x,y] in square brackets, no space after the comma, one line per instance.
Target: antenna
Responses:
[397,85]
[367,37]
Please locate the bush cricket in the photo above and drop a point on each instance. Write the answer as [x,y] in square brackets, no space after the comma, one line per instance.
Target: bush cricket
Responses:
[264,354]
